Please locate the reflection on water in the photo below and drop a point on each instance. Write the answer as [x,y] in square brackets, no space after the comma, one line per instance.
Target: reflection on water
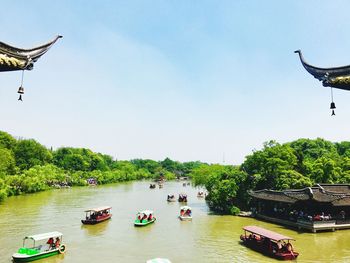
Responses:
[207,238]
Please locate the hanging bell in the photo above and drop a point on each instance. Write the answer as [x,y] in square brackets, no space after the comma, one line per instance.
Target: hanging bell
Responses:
[20,92]
[332,108]
[332,105]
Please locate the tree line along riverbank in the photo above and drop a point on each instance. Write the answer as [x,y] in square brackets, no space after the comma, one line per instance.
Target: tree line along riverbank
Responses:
[26,166]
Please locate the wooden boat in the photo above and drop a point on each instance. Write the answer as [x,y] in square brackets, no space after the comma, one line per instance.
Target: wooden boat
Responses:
[152,186]
[185,213]
[171,198]
[182,198]
[97,215]
[144,218]
[269,243]
[40,248]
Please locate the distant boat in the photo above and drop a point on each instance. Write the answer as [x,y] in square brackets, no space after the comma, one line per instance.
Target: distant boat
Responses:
[245,214]
[144,218]
[200,194]
[185,213]
[269,243]
[182,198]
[171,198]
[97,215]
[39,248]
[152,186]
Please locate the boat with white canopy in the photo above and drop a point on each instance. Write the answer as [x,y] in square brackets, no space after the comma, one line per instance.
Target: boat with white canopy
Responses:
[40,246]
[144,218]
[185,213]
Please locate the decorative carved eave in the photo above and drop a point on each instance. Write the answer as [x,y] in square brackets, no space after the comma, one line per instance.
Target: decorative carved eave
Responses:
[13,58]
[337,77]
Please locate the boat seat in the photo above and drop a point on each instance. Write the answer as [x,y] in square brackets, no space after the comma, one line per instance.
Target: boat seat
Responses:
[45,247]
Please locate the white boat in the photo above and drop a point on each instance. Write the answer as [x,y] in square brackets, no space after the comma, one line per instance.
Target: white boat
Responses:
[185,213]
[41,246]
[171,198]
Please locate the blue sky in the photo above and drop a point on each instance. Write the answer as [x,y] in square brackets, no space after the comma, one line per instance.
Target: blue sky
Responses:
[189,80]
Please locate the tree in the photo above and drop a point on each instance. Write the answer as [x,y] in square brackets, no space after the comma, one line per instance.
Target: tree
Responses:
[7,161]
[7,141]
[29,153]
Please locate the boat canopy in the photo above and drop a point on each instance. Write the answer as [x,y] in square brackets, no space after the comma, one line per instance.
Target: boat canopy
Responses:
[99,209]
[266,233]
[146,212]
[185,208]
[44,236]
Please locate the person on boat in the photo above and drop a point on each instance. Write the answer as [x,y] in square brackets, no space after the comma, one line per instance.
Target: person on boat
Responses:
[50,242]
[150,217]
[57,242]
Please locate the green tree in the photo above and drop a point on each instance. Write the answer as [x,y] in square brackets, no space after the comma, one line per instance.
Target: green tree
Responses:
[29,153]
[7,161]
[7,141]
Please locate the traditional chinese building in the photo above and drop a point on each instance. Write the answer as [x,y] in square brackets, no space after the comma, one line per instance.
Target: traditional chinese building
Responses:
[321,207]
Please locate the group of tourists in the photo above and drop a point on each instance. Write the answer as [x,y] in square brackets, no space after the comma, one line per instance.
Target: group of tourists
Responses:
[53,244]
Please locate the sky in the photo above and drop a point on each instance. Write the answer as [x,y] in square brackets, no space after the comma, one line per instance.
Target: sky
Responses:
[189,80]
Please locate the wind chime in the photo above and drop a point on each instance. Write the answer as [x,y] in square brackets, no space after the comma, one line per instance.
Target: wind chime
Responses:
[21,89]
[332,103]
[13,58]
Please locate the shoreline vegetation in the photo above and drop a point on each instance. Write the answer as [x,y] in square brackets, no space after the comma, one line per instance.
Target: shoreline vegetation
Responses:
[26,166]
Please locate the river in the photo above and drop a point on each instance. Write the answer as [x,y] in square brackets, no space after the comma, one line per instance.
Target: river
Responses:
[208,238]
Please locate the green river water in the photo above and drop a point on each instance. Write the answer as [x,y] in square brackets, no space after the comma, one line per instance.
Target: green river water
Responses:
[208,238]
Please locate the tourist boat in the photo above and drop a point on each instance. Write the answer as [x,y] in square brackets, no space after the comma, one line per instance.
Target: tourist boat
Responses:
[200,194]
[182,198]
[152,186]
[97,215]
[144,218]
[160,185]
[171,198]
[42,246]
[269,243]
[185,213]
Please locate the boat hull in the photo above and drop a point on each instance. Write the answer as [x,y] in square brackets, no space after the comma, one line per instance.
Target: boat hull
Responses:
[269,251]
[139,223]
[96,221]
[17,257]
[185,218]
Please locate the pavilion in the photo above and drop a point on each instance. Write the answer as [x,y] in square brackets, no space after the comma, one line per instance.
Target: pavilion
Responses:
[321,207]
